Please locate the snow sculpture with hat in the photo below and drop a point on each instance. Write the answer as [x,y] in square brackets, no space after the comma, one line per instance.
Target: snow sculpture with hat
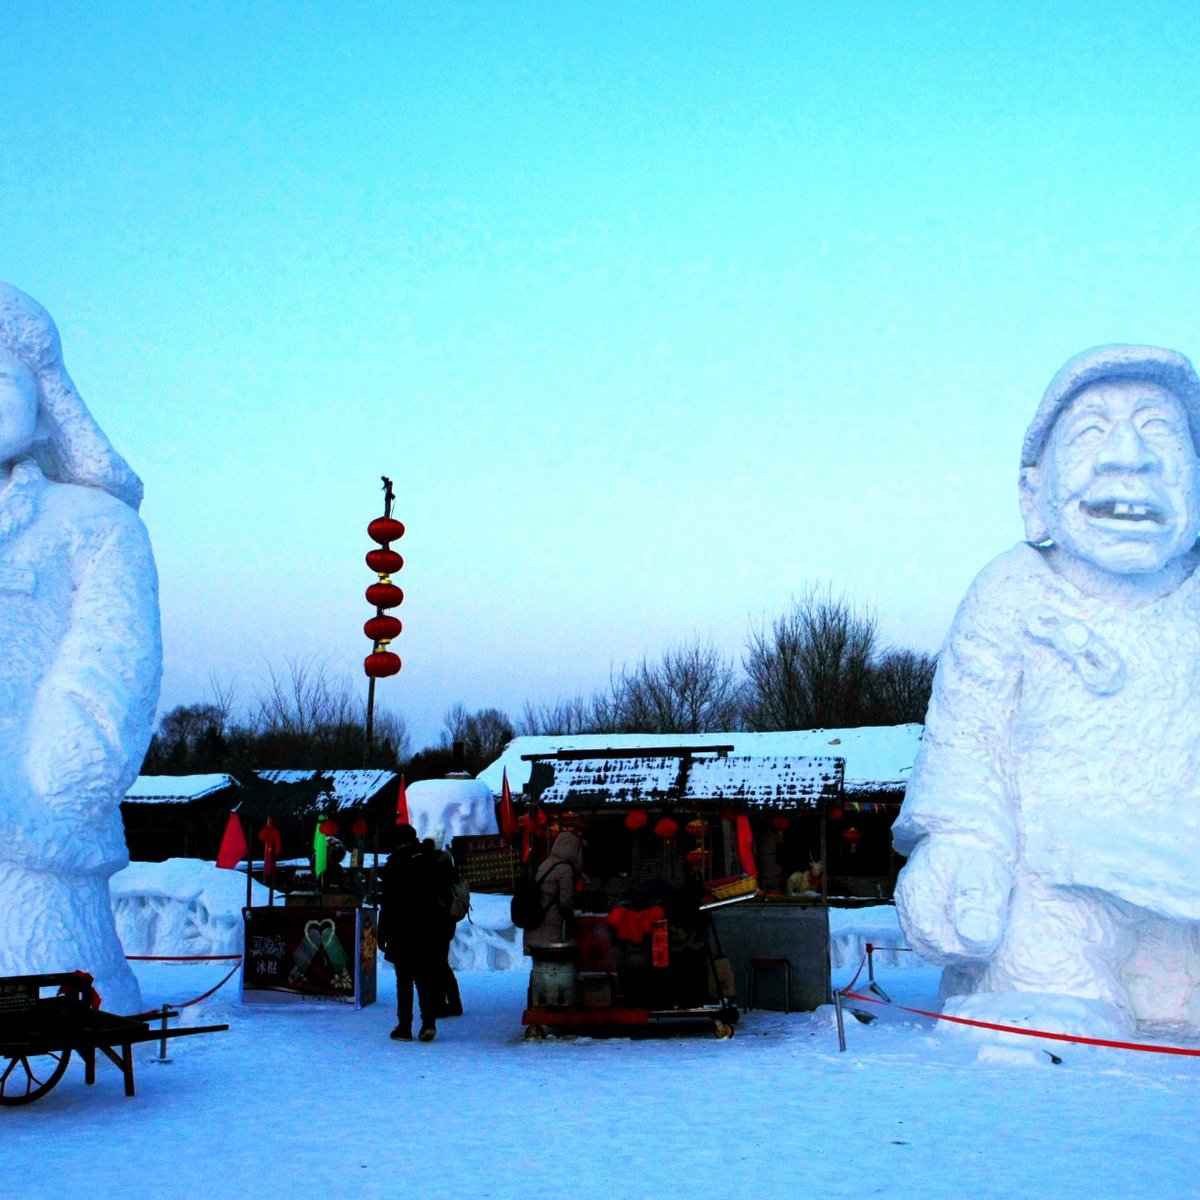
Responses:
[1052,821]
[80,661]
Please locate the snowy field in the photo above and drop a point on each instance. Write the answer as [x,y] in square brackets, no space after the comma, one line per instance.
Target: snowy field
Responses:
[314,1100]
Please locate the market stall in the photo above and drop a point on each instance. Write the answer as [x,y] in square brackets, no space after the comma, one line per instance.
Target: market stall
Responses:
[671,837]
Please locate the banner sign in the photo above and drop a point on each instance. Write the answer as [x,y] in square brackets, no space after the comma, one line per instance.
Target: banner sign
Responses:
[297,953]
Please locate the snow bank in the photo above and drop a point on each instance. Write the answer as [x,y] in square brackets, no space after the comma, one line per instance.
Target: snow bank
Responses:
[488,940]
[850,929]
[189,906]
[181,906]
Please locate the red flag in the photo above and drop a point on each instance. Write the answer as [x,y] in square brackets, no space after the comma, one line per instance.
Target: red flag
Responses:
[233,844]
[402,805]
[745,841]
[508,818]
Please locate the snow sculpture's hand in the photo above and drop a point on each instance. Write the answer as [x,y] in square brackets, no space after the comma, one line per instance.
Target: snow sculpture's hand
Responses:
[952,898]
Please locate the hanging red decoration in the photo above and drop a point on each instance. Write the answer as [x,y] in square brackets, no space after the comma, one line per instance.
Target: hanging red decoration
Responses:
[384,562]
[666,828]
[696,859]
[379,664]
[328,827]
[729,814]
[385,529]
[382,629]
[635,819]
[781,821]
[359,828]
[384,595]
[835,813]
[853,837]
[272,841]
[697,828]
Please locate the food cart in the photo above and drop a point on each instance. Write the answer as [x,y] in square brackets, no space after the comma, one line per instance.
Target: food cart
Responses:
[653,960]
[668,845]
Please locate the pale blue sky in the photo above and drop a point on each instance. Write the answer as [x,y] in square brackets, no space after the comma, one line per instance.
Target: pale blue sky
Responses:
[655,312]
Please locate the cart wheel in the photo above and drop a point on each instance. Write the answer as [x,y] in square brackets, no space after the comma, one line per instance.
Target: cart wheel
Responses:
[722,1029]
[534,1033]
[26,1077]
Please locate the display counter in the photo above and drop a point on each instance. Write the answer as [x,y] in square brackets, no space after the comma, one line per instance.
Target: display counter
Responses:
[797,930]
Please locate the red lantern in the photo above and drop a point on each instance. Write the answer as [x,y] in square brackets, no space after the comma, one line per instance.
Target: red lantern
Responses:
[781,821]
[835,813]
[666,828]
[385,529]
[382,629]
[696,859]
[328,827]
[853,837]
[359,828]
[381,663]
[384,595]
[697,828]
[635,819]
[384,562]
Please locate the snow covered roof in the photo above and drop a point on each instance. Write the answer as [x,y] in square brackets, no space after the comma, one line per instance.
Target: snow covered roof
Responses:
[877,758]
[769,782]
[348,787]
[176,789]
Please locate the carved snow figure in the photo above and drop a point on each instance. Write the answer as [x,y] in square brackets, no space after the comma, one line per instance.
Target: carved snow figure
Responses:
[80,662]
[1052,820]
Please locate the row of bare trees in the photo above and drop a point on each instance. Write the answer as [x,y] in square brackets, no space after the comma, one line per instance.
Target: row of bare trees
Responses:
[303,718]
[819,665]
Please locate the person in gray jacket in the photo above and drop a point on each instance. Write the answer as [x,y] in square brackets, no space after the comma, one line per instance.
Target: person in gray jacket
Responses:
[556,878]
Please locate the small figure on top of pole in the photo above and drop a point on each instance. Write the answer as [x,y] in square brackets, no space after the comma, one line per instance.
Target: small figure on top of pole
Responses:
[382,628]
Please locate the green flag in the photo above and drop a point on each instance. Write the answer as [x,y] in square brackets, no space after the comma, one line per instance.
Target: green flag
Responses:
[320,847]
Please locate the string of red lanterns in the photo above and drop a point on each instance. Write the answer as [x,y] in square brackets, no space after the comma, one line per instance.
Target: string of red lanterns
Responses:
[383,628]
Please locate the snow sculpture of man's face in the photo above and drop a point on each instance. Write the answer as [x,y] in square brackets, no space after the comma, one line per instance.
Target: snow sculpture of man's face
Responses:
[18,409]
[1118,483]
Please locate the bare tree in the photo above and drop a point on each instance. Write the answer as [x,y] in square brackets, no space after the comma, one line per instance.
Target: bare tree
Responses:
[900,685]
[563,717]
[691,689]
[811,667]
[483,734]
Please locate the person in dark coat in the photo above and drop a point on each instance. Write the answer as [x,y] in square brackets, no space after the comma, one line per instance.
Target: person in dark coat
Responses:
[451,996]
[414,918]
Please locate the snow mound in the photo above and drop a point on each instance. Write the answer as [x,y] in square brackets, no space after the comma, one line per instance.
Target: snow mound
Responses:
[850,929]
[179,907]
[489,941]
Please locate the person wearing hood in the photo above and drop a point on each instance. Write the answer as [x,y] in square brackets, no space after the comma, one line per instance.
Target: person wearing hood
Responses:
[556,878]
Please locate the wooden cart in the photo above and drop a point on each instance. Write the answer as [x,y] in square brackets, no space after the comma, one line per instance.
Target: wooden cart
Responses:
[38,1033]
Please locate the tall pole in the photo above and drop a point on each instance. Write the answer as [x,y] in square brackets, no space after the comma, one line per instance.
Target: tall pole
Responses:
[381,628]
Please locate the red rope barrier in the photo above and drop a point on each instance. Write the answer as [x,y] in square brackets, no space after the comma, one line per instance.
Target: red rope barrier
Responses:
[188,1003]
[1037,1033]
[182,957]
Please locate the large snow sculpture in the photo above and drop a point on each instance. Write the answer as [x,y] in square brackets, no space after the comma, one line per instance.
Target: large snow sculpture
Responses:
[1053,815]
[80,662]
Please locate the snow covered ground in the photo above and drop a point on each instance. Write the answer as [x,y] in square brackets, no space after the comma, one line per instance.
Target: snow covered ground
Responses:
[314,1100]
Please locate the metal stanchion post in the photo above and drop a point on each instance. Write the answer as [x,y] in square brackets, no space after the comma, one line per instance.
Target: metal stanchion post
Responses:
[837,1004]
[162,1041]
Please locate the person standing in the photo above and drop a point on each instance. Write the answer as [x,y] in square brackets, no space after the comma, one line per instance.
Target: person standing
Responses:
[556,881]
[413,920]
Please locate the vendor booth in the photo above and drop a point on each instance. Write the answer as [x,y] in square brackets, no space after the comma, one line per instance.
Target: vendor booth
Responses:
[672,920]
